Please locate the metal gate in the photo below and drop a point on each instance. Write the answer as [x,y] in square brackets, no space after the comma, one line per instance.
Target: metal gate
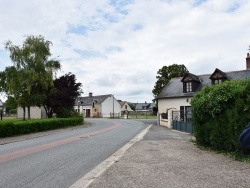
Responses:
[182,121]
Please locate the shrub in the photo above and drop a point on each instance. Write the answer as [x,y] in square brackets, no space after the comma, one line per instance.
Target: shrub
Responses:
[66,112]
[10,128]
[219,114]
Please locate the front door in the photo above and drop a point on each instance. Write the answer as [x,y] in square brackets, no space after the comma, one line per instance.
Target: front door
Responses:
[87,112]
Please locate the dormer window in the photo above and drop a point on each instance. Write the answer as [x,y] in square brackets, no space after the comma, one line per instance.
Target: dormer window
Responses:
[190,83]
[218,77]
[218,81]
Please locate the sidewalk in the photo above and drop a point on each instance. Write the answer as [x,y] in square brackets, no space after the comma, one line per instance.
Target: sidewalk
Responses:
[167,158]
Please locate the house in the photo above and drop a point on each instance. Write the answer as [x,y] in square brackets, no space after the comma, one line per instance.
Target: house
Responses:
[98,106]
[147,107]
[125,107]
[177,94]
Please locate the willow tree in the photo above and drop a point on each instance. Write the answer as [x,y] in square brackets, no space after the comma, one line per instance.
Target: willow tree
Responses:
[32,71]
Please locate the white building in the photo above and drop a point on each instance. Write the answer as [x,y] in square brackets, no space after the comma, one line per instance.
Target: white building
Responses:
[177,94]
[98,106]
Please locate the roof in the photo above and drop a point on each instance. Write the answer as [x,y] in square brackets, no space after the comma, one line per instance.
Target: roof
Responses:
[194,77]
[87,101]
[174,88]
[122,103]
[140,106]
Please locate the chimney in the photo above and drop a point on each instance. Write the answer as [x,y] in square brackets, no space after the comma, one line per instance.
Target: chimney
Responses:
[248,61]
[90,94]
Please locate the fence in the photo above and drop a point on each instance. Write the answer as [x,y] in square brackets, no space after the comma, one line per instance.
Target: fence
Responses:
[182,121]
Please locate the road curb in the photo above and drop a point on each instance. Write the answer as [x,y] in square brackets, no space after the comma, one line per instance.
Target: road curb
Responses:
[86,180]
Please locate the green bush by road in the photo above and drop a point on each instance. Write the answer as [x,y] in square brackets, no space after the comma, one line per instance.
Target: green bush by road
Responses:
[10,128]
[220,113]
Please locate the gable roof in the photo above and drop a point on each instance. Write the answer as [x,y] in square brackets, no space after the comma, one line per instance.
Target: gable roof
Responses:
[87,101]
[219,73]
[174,88]
[192,76]
[141,106]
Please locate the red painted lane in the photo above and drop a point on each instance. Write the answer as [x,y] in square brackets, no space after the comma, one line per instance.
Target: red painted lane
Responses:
[24,152]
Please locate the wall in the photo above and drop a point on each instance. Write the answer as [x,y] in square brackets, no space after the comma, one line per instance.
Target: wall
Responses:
[167,105]
[35,112]
[172,103]
[128,107]
[107,106]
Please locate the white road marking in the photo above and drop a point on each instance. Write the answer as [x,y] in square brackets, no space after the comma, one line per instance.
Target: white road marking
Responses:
[86,180]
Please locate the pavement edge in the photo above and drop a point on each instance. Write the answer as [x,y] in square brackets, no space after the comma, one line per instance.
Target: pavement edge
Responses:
[86,180]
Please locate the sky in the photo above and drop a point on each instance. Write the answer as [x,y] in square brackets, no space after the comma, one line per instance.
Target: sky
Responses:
[117,46]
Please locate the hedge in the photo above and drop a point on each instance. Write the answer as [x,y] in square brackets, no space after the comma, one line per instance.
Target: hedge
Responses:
[220,113]
[11,128]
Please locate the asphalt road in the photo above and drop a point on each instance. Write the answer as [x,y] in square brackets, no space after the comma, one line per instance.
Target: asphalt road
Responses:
[59,160]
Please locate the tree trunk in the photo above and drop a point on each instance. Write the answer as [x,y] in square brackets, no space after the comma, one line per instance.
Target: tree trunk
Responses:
[48,111]
[28,112]
[23,113]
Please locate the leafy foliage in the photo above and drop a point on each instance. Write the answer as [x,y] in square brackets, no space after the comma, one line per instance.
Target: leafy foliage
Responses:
[219,114]
[62,97]
[10,104]
[165,74]
[31,73]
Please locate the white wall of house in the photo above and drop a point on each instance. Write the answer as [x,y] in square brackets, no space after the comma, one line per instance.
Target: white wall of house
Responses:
[35,112]
[170,104]
[123,108]
[107,106]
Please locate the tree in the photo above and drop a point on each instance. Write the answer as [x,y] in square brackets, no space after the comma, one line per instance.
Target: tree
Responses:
[32,72]
[62,97]
[10,104]
[165,74]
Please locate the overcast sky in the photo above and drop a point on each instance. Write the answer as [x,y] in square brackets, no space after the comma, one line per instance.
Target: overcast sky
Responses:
[117,46]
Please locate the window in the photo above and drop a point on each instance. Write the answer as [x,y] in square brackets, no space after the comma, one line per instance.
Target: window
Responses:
[126,107]
[217,81]
[189,86]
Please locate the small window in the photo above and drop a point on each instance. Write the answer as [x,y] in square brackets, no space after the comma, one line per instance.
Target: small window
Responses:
[126,107]
[189,86]
[218,81]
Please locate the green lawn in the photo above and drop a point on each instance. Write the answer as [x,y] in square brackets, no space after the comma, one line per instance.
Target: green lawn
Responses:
[142,117]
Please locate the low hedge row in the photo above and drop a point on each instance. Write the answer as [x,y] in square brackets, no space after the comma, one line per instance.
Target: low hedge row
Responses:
[11,128]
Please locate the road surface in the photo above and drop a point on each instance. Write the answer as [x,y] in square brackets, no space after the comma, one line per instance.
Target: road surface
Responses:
[59,160]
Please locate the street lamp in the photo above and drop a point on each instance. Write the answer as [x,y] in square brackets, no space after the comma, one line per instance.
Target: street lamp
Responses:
[113,107]
[78,104]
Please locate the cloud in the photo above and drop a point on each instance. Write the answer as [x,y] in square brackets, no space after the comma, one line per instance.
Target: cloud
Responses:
[117,47]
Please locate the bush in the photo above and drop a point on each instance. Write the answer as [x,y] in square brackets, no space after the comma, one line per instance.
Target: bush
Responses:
[66,112]
[13,111]
[10,128]
[219,114]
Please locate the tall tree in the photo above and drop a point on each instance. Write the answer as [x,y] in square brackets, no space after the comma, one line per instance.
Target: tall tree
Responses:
[63,95]
[165,74]
[33,71]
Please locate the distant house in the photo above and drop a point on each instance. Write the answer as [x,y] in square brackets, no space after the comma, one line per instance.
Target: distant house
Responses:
[98,106]
[177,94]
[125,107]
[144,107]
